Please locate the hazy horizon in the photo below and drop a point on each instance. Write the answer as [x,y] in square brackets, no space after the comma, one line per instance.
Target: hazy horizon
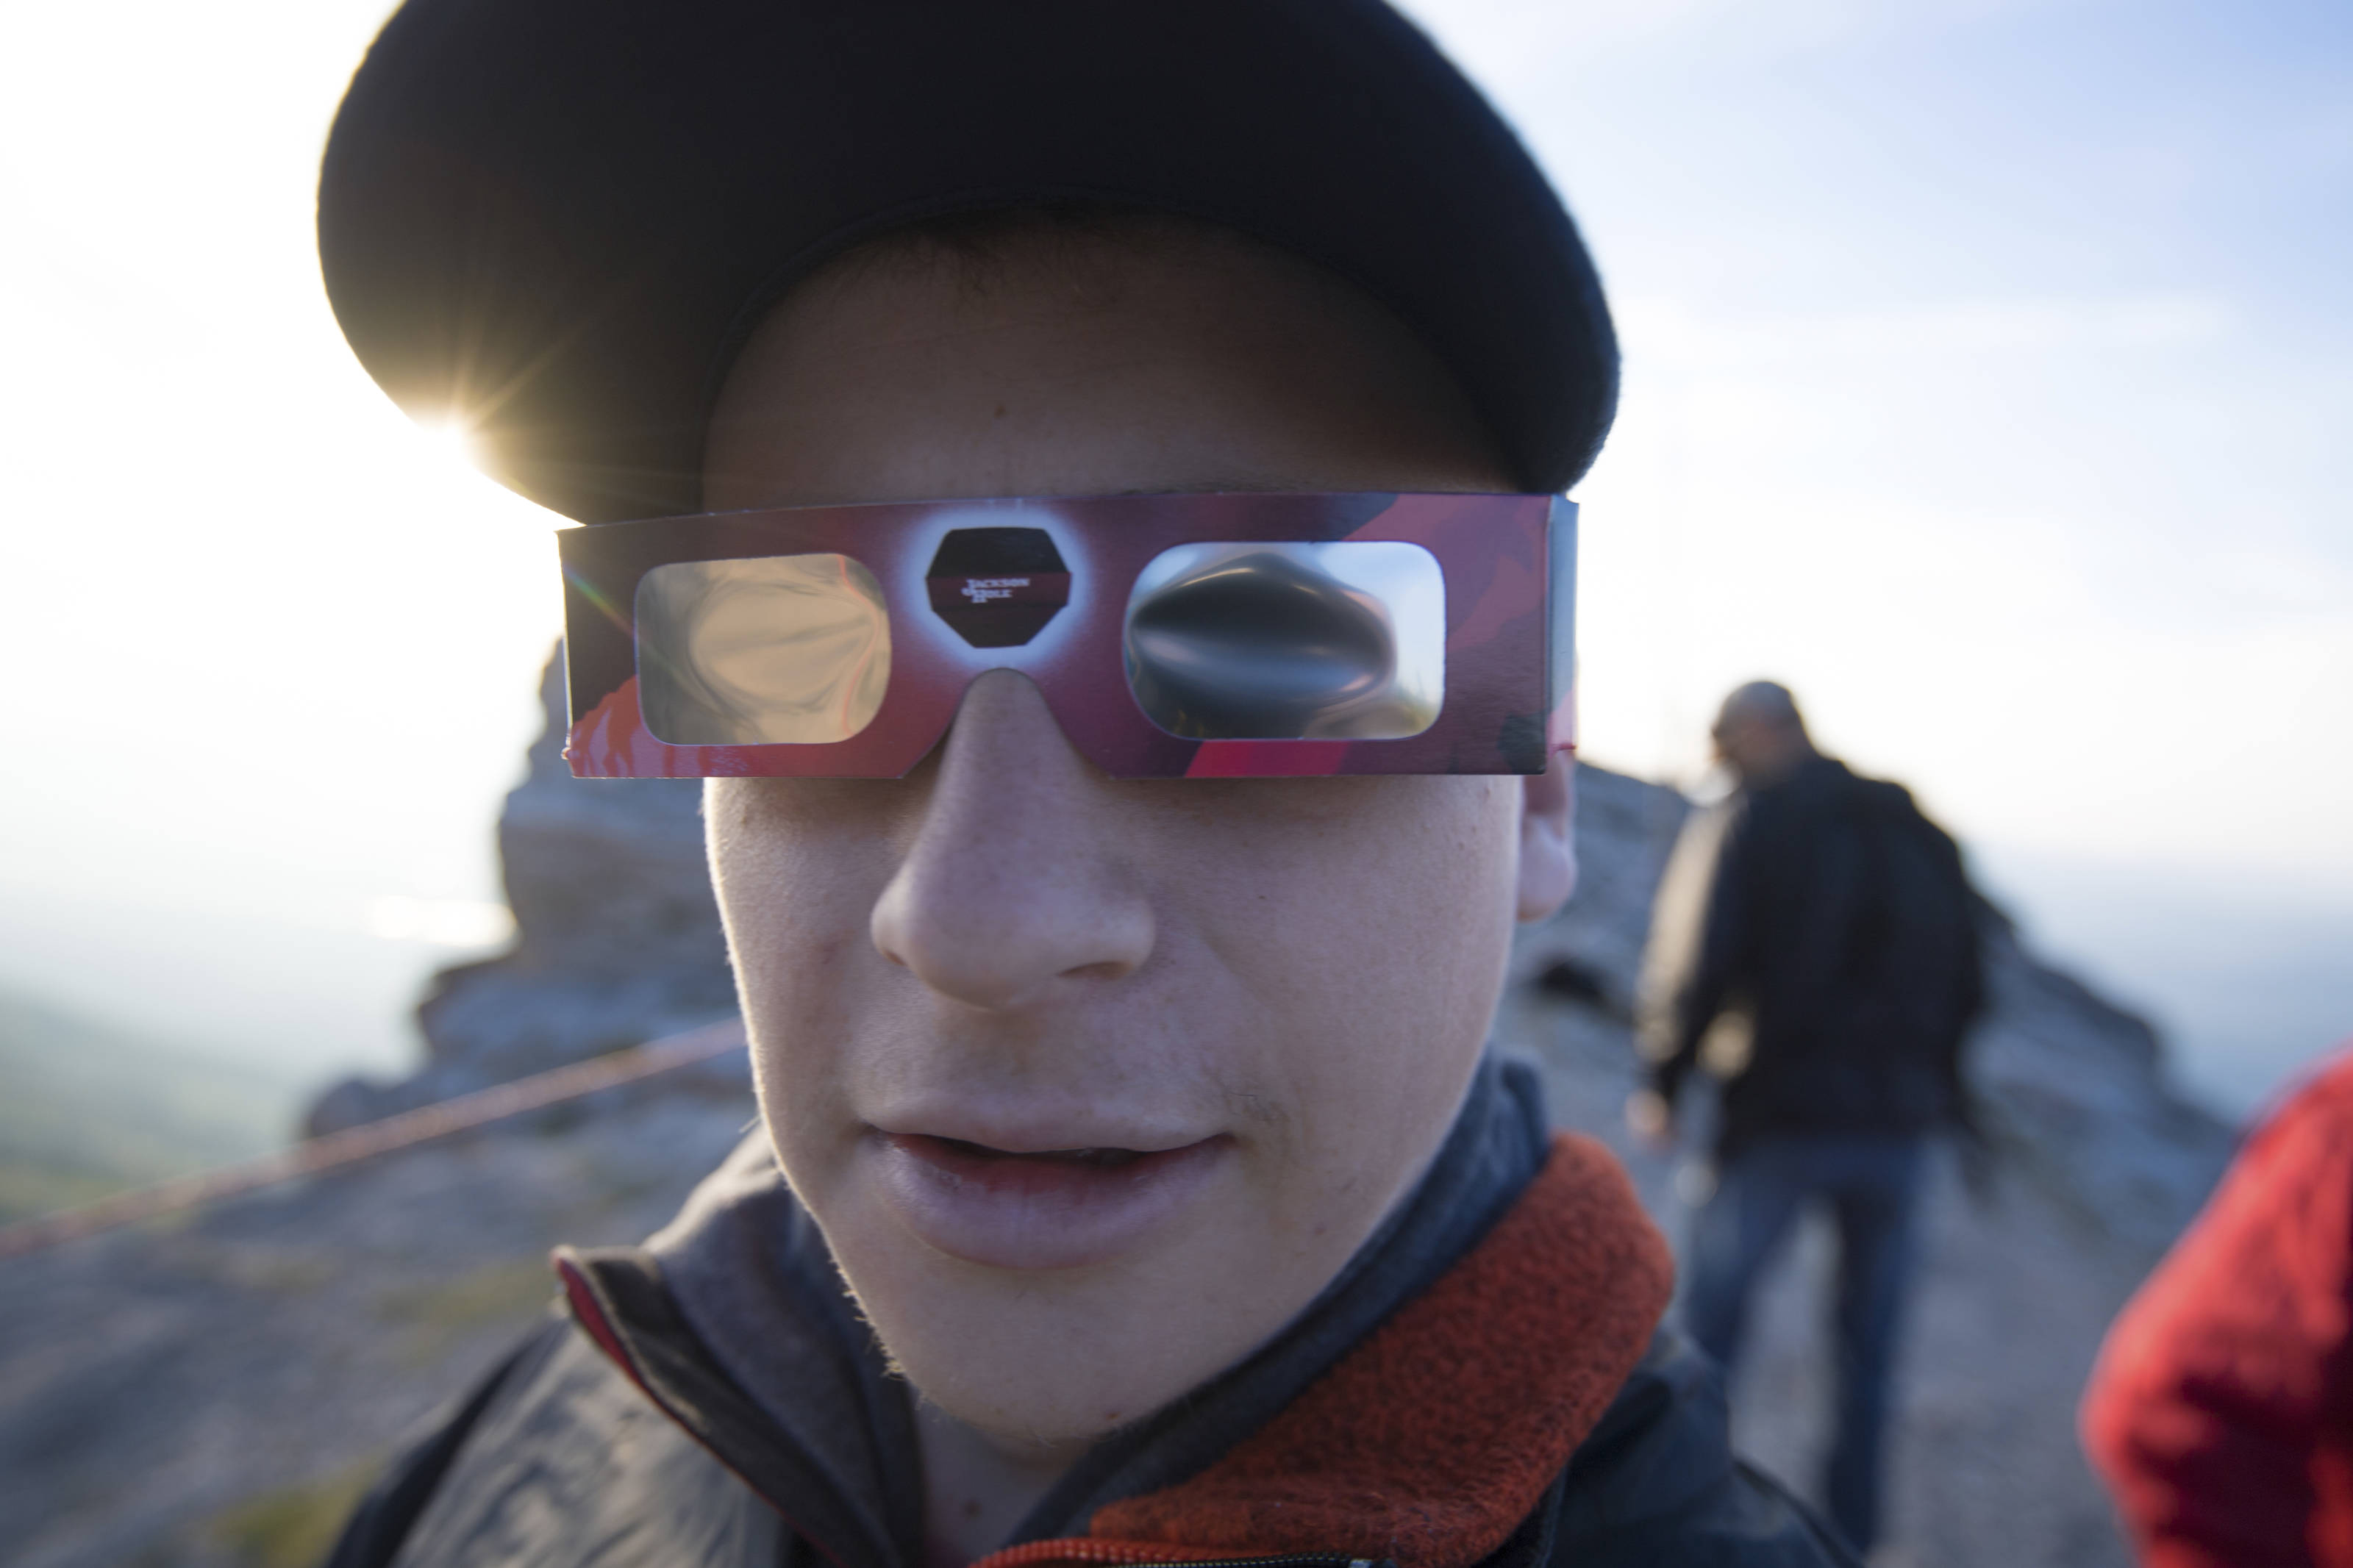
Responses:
[2241,982]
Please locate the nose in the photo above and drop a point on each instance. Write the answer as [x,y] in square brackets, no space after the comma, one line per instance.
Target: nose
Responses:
[1022,875]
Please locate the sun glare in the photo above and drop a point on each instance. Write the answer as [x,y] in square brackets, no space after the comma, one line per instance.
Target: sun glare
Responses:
[451,440]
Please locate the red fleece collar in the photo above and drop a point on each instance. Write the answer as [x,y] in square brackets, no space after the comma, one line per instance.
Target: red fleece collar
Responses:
[1432,1440]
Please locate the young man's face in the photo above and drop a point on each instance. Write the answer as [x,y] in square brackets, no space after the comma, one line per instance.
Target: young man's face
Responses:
[1093,1084]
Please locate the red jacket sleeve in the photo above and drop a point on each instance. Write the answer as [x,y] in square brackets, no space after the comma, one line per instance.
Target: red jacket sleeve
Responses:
[2221,1410]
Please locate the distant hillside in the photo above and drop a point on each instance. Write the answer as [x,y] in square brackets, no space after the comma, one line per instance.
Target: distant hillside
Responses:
[87,1109]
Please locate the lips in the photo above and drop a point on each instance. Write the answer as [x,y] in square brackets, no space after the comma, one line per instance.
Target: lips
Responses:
[1046,1208]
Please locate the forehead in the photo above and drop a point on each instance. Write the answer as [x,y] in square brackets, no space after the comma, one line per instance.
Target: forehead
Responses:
[1164,356]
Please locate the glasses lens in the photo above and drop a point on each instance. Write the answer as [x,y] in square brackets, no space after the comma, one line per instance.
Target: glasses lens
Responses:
[792,650]
[1290,642]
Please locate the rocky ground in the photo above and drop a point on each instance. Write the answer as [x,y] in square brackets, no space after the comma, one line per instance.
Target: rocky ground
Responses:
[2015,1291]
[212,1394]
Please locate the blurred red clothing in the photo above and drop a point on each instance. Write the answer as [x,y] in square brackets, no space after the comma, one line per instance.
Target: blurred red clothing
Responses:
[2221,1409]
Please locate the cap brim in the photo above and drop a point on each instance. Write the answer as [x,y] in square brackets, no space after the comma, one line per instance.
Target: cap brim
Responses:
[548,218]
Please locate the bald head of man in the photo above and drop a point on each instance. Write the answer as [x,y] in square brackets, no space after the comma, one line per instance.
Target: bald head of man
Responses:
[1759,733]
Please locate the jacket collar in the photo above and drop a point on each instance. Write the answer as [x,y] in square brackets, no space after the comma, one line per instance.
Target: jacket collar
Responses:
[1416,1413]
[1433,1439]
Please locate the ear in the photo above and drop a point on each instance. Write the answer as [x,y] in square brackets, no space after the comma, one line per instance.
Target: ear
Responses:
[1547,844]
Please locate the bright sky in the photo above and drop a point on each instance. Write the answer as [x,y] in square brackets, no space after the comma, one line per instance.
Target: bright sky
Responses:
[1989,366]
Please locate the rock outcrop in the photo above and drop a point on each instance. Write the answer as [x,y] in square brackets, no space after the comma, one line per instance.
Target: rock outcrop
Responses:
[617,938]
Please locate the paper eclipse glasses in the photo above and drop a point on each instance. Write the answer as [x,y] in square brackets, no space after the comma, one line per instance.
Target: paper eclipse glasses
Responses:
[1177,635]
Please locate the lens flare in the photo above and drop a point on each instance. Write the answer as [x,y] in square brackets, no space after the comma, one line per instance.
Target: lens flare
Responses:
[451,440]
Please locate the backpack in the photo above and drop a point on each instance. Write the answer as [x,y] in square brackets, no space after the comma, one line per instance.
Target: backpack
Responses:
[1913,965]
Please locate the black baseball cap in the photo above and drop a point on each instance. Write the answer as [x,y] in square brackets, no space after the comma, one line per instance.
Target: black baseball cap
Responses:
[554,220]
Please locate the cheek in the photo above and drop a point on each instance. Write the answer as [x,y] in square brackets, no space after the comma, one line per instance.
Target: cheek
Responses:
[794,896]
[1374,959]
[1411,900]
[783,904]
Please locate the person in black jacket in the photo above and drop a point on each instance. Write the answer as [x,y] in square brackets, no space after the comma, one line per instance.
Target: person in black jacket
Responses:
[1118,950]
[1814,948]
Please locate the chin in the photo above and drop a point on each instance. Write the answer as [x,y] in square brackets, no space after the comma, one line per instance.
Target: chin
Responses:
[1052,1357]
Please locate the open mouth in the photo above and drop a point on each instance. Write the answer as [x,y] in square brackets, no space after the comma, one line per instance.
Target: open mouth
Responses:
[1038,1208]
[1071,1173]
[1100,1158]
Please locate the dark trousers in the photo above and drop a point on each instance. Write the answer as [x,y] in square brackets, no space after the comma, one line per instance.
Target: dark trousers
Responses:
[1872,1183]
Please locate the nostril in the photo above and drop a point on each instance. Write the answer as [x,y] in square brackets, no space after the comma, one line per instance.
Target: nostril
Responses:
[1102,969]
